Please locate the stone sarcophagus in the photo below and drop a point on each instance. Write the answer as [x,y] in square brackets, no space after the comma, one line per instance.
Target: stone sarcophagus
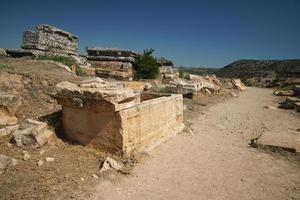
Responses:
[47,38]
[112,118]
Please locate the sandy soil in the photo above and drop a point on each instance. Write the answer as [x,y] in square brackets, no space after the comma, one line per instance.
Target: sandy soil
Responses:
[216,161]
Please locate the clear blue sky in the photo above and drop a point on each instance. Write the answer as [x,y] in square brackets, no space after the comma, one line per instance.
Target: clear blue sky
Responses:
[191,33]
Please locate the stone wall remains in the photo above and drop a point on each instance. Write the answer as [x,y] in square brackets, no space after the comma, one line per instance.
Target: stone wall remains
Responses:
[50,39]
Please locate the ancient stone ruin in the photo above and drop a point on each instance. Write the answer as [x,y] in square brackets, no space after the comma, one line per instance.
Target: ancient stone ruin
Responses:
[46,40]
[50,39]
[194,85]
[166,70]
[112,63]
[112,118]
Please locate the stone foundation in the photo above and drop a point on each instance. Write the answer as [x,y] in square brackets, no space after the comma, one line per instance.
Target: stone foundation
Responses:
[112,118]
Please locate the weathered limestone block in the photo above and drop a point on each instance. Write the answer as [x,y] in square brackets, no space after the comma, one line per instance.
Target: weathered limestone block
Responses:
[8,107]
[166,70]
[184,87]
[110,52]
[109,117]
[50,39]
[112,63]
[209,82]
[237,84]
[2,52]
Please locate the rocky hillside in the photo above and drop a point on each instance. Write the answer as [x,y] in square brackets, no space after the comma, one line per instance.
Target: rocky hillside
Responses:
[262,72]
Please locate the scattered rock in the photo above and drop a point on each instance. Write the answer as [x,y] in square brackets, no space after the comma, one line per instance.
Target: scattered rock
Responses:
[14,162]
[290,103]
[270,107]
[95,176]
[41,133]
[5,161]
[23,137]
[49,159]
[237,84]
[7,130]
[42,152]
[206,91]
[286,142]
[9,145]
[26,156]
[188,130]
[288,93]
[148,86]
[110,163]
[36,133]
[40,163]
[8,106]
[2,52]
[35,122]
[233,94]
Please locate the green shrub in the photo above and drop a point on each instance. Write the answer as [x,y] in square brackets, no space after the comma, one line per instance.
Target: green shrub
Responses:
[146,66]
[181,72]
[3,66]
[79,71]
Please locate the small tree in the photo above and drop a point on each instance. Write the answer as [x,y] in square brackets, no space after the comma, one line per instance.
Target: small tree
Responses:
[146,66]
[181,72]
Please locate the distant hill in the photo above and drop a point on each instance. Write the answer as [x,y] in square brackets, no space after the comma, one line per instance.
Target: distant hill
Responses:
[245,69]
[266,73]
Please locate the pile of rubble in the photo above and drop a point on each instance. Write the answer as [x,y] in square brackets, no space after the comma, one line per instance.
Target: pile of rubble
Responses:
[292,100]
[26,133]
[112,63]
[194,85]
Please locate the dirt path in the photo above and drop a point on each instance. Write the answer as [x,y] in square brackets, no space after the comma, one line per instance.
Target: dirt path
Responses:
[216,162]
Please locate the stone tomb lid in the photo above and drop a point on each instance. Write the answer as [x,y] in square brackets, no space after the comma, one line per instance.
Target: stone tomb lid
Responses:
[95,89]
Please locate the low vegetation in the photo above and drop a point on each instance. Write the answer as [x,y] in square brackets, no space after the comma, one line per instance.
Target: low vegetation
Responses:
[146,66]
[68,61]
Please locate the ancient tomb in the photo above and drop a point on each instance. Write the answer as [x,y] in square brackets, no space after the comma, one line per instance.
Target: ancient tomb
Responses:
[112,118]
[112,63]
[50,39]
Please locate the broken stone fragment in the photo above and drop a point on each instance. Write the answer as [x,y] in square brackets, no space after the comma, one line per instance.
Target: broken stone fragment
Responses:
[7,130]
[23,137]
[26,156]
[40,163]
[41,133]
[290,103]
[37,133]
[284,93]
[148,86]
[4,161]
[110,163]
[8,107]
[237,84]
[49,159]
[270,107]
[95,176]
